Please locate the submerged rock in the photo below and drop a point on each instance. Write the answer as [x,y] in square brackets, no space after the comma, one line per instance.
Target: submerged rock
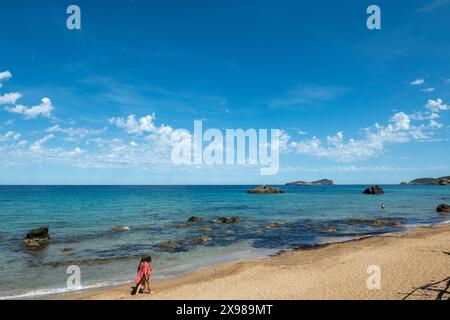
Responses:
[184,225]
[265,190]
[382,222]
[443,208]
[195,219]
[275,225]
[330,230]
[374,190]
[206,229]
[37,238]
[202,239]
[121,228]
[170,244]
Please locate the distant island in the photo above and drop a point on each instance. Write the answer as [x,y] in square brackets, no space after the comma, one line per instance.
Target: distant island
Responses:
[323,182]
[428,181]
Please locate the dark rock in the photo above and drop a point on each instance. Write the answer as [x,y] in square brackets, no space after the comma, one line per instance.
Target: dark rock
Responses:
[443,208]
[64,250]
[374,190]
[265,190]
[323,182]
[195,219]
[37,238]
[444,181]
[231,220]
[121,228]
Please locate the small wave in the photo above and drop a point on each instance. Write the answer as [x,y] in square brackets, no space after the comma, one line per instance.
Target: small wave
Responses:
[55,291]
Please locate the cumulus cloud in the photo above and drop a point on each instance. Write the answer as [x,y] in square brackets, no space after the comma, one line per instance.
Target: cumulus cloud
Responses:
[399,129]
[436,105]
[5,75]
[10,98]
[136,126]
[44,109]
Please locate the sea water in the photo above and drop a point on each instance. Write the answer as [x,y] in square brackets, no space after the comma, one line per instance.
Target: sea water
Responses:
[81,220]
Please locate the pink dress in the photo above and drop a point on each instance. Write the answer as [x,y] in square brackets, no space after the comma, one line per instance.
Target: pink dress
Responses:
[144,270]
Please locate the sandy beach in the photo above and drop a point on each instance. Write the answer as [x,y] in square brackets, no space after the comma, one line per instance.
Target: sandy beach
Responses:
[415,265]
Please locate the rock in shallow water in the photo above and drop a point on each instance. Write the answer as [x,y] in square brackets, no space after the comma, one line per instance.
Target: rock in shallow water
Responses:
[37,238]
[170,244]
[121,228]
[374,190]
[184,225]
[443,208]
[201,240]
[231,220]
[265,190]
[195,219]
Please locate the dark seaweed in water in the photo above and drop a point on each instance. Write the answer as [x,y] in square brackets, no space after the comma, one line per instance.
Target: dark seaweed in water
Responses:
[303,233]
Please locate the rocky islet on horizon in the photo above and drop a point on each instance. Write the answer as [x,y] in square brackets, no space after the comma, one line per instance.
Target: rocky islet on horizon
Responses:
[443,181]
[322,182]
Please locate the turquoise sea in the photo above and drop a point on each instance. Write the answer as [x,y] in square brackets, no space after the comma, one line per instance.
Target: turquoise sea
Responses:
[81,221]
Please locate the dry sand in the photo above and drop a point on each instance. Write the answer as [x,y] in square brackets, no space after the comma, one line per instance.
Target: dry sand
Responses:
[413,266]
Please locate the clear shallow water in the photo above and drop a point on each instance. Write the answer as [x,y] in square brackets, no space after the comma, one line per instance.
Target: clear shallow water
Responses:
[81,218]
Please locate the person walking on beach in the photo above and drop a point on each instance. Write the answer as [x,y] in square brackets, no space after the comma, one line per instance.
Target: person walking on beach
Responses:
[142,279]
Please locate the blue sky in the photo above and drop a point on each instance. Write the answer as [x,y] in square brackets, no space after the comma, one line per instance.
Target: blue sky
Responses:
[354,105]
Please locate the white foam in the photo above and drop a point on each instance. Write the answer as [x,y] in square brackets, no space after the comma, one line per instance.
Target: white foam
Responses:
[53,291]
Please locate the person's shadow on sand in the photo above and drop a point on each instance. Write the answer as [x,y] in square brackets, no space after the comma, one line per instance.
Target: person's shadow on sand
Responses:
[133,290]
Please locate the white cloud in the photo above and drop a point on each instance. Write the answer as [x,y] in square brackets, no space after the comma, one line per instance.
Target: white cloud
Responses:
[72,153]
[5,75]
[427,90]
[10,98]
[398,130]
[74,134]
[435,124]
[10,135]
[417,82]
[37,145]
[159,136]
[44,109]
[336,139]
[401,121]
[136,126]
[436,105]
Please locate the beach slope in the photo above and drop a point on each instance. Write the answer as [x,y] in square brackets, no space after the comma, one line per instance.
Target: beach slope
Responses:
[415,265]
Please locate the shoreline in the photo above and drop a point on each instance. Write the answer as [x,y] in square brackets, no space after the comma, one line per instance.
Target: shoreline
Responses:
[408,260]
